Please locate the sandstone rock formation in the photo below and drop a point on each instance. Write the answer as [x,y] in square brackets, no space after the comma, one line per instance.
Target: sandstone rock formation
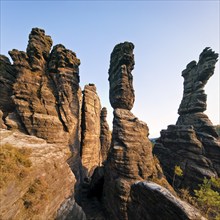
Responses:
[41,97]
[46,85]
[39,191]
[130,156]
[193,142]
[105,136]
[91,148]
[129,159]
[7,78]
[120,78]
[153,202]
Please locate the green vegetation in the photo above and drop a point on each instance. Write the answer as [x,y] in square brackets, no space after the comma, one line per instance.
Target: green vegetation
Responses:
[14,164]
[177,172]
[208,197]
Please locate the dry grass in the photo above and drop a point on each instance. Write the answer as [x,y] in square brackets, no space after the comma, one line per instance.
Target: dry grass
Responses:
[14,164]
[35,196]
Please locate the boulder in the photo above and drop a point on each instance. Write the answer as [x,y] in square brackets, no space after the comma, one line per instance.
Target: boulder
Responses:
[153,202]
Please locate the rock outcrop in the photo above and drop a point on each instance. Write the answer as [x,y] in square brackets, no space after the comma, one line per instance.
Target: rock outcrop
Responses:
[129,159]
[121,92]
[91,148]
[192,143]
[44,186]
[42,99]
[153,202]
[47,85]
[7,79]
[105,136]
[130,156]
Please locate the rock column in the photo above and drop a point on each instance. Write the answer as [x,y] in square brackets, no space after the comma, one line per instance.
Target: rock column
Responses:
[91,148]
[192,143]
[105,136]
[130,156]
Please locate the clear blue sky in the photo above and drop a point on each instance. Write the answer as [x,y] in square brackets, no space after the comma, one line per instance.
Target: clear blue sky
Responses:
[167,35]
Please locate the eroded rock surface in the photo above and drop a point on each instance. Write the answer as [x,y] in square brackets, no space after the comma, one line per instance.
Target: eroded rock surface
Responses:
[7,78]
[41,98]
[45,89]
[153,202]
[193,142]
[41,190]
[91,147]
[120,78]
[130,156]
[130,159]
[105,136]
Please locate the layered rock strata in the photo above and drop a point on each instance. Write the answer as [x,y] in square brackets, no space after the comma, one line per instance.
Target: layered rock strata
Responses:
[130,156]
[7,79]
[41,97]
[91,148]
[105,134]
[121,91]
[44,187]
[129,159]
[193,142]
[153,202]
[47,85]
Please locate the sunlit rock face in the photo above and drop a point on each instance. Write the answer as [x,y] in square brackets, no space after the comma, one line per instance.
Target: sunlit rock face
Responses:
[41,98]
[43,188]
[120,78]
[196,75]
[91,147]
[130,155]
[105,134]
[193,142]
[46,92]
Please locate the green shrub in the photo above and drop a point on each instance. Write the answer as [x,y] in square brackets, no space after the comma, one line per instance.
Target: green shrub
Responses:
[208,197]
[177,172]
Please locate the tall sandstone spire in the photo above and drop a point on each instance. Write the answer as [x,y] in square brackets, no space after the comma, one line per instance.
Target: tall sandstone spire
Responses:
[192,143]
[130,160]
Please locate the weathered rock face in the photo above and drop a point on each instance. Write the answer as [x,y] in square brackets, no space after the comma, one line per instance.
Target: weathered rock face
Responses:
[41,97]
[105,136]
[193,142]
[195,77]
[153,202]
[91,148]
[130,156]
[130,159]
[120,77]
[179,145]
[45,89]
[7,78]
[42,189]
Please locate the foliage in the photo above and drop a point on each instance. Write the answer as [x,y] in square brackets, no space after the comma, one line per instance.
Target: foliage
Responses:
[177,172]
[14,163]
[208,197]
